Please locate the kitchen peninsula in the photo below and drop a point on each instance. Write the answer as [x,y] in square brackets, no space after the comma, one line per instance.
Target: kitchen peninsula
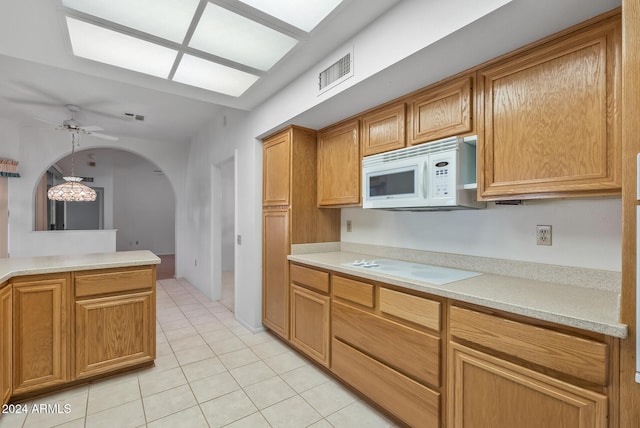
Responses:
[68,319]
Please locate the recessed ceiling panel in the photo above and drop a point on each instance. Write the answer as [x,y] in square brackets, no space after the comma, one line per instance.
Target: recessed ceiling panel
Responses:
[110,47]
[168,19]
[231,36]
[302,14]
[212,76]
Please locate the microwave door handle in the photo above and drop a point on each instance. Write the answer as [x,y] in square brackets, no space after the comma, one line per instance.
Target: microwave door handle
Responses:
[424,179]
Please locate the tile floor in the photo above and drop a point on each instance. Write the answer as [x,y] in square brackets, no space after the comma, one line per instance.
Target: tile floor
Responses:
[210,371]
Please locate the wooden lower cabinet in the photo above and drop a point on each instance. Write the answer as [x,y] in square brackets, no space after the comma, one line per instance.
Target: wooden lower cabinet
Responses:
[41,332]
[487,392]
[113,332]
[6,328]
[310,312]
[275,271]
[410,401]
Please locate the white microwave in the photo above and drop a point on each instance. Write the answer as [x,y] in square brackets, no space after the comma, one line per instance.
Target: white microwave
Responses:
[440,175]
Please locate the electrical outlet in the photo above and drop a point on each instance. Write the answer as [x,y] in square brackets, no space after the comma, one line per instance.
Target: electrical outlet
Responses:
[543,234]
[348,225]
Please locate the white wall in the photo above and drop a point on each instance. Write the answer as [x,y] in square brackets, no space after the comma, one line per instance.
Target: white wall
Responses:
[585,232]
[143,209]
[227,171]
[37,149]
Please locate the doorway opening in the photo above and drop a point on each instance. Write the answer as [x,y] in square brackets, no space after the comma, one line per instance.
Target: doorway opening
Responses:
[224,209]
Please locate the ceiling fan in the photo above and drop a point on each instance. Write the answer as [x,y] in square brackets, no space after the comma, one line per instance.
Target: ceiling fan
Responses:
[72,125]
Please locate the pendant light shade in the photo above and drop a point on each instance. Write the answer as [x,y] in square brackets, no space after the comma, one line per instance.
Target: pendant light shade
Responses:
[72,190]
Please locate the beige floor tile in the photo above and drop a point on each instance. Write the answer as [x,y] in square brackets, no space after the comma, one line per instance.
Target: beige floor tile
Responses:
[358,414]
[113,380]
[292,413]
[209,327]
[304,378]
[328,398]
[240,330]
[165,362]
[203,368]
[163,349]
[238,358]
[186,343]
[269,349]
[12,419]
[257,338]
[129,415]
[189,418]
[228,408]
[174,325]
[218,335]
[168,402]
[252,373]
[76,423]
[214,386]
[192,355]
[224,316]
[52,411]
[269,392]
[153,383]
[322,423]
[181,333]
[285,362]
[227,345]
[114,395]
[255,420]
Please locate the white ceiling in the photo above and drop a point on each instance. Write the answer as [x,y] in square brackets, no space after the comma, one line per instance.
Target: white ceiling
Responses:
[39,75]
[36,66]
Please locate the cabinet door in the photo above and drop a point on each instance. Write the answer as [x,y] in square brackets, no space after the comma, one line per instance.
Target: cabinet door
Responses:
[441,111]
[276,161]
[41,345]
[551,119]
[6,326]
[339,166]
[310,323]
[113,332]
[383,130]
[485,391]
[275,271]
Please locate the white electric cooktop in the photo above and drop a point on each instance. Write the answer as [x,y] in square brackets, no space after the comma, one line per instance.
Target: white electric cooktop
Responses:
[416,271]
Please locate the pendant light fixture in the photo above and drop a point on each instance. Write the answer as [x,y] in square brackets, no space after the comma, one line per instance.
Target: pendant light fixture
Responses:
[72,190]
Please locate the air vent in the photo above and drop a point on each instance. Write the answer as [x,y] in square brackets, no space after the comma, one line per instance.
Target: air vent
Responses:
[335,73]
[134,116]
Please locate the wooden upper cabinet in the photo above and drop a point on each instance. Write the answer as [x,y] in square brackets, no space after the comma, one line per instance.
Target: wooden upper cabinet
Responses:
[339,165]
[384,130]
[441,111]
[276,164]
[552,118]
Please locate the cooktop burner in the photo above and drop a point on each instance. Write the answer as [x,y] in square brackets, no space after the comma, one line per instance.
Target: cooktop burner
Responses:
[433,274]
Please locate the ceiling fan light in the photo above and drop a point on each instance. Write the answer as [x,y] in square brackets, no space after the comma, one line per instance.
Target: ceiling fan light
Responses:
[72,190]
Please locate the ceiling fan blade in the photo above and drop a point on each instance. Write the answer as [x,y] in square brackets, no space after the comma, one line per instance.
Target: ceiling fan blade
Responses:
[47,121]
[92,128]
[30,103]
[104,137]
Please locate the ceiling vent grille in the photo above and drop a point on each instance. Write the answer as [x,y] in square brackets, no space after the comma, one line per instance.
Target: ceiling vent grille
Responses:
[335,73]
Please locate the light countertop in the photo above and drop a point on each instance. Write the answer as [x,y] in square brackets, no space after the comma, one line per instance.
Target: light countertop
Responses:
[589,309]
[51,264]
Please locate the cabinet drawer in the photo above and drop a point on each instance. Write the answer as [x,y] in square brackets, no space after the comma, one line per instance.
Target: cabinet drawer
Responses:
[407,350]
[411,308]
[310,278]
[575,356]
[353,291]
[107,282]
[411,402]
